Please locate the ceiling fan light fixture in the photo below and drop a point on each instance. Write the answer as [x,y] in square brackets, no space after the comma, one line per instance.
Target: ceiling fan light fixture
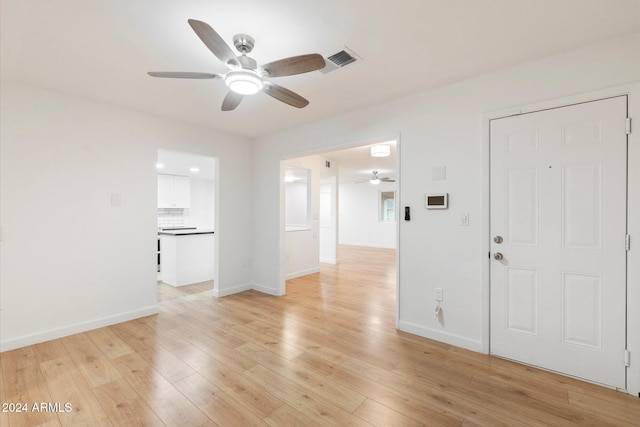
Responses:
[244,82]
[380,150]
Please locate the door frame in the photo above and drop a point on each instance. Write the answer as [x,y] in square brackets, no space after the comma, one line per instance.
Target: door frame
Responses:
[328,149]
[632,91]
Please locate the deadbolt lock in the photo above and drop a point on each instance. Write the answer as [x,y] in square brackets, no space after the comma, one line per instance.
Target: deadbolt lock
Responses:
[498,239]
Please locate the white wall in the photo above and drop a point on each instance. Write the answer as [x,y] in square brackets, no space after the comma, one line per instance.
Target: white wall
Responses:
[359,213]
[445,127]
[201,212]
[328,234]
[302,247]
[297,204]
[70,260]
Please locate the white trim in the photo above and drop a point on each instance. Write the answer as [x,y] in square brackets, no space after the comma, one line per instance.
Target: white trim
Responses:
[230,291]
[485,294]
[332,261]
[302,273]
[631,90]
[562,102]
[76,328]
[266,290]
[282,237]
[293,228]
[366,245]
[445,337]
[633,255]
[399,219]
[339,146]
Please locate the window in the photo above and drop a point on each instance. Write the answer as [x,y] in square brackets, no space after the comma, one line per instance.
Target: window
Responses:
[387,206]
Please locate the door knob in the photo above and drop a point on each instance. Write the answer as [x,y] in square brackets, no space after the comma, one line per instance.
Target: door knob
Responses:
[498,256]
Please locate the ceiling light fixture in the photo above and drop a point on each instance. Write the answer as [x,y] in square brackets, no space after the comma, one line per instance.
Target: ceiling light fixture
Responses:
[194,169]
[159,165]
[380,151]
[244,82]
[375,181]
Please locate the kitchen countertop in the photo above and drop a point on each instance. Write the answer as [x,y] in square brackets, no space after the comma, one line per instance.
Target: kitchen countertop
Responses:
[185,232]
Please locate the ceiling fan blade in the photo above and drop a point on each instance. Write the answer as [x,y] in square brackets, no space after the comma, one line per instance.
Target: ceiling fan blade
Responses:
[182,75]
[214,42]
[294,65]
[284,95]
[231,101]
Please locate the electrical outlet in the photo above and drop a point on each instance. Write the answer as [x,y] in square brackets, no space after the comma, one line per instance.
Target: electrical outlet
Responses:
[438,294]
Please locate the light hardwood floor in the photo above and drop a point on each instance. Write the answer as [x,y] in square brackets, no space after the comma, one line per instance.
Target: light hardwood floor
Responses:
[325,354]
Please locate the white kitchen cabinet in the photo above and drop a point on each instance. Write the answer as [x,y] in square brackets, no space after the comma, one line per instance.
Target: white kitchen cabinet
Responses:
[187,257]
[173,191]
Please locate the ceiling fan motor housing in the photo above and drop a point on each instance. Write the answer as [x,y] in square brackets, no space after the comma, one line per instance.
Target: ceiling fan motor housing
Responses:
[244,43]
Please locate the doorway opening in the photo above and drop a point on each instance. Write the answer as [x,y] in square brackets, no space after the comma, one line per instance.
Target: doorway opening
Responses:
[187,194]
[349,199]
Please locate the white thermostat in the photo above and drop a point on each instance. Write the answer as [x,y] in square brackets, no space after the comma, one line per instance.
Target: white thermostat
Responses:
[437,200]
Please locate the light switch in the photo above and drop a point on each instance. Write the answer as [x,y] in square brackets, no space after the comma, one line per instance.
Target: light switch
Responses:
[464,219]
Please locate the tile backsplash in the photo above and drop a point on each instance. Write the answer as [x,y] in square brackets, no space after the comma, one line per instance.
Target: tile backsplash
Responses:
[171,217]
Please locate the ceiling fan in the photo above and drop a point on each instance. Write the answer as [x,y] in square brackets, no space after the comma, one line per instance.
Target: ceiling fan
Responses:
[375,179]
[244,76]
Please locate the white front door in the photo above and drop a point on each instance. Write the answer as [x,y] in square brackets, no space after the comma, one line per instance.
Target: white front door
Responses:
[558,218]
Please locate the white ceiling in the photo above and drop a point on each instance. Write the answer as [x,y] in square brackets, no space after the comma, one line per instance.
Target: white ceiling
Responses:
[102,49]
[178,163]
[357,164]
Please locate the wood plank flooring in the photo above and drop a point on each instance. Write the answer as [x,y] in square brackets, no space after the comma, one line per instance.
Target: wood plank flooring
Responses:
[326,354]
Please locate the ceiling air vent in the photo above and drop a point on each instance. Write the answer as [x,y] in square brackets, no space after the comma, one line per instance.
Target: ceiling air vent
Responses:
[339,60]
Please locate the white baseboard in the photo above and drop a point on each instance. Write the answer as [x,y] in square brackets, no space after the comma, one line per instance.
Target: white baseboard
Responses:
[266,290]
[302,273]
[52,334]
[230,291]
[329,261]
[445,337]
[369,245]
[247,287]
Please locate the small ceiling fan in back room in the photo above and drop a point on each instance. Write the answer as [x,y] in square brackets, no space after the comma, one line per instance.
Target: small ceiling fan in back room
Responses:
[375,179]
[245,77]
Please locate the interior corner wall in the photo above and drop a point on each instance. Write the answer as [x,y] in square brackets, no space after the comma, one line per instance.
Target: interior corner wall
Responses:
[441,127]
[78,212]
[302,247]
[359,216]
